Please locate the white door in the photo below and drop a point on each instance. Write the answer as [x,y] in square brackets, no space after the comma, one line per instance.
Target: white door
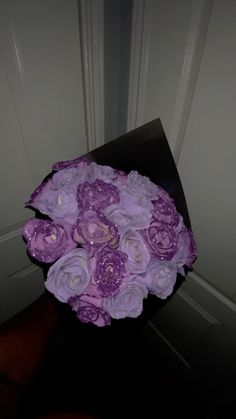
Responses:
[42,120]
[183,68]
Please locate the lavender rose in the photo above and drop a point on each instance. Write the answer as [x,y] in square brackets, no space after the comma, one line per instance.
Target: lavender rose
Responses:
[68,179]
[57,204]
[109,271]
[160,278]
[161,240]
[134,246]
[94,230]
[128,302]
[97,171]
[89,310]
[97,195]
[70,275]
[140,185]
[165,212]
[132,211]
[46,240]
[36,193]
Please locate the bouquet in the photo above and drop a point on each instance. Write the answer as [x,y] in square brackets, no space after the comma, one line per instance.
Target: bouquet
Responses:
[109,239]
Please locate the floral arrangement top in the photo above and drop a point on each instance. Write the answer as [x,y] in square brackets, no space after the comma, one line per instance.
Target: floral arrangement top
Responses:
[110,239]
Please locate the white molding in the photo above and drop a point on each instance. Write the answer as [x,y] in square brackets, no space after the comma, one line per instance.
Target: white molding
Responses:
[10,235]
[197,307]
[24,272]
[92,42]
[201,12]
[210,299]
[139,59]
[222,299]
[171,347]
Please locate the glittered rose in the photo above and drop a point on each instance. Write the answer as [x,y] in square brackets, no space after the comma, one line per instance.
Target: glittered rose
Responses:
[70,275]
[187,249]
[89,310]
[109,271]
[93,230]
[165,212]
[97,195]
[46,240]
[161,240]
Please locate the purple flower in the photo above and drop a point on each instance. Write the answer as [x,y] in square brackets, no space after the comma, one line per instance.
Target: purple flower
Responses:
[97,171]
[68,179]
[160,278]
[162,193]
[165,211]
[97,195]
[132,211]
[140,185]
[128,302]
[88,310]
[59,205]
[187,249]
[94,230]
[70,275]
[161,240]
[80,162]
[134,246]
[109,271]
[36,193]
[46,240]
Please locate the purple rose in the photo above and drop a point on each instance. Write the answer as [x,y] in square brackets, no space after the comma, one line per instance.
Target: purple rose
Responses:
[187,249]
[161,240]
[97,171]
[132,211]
[97,195]
[109,271]
[89,310]
[36,193]
[57,204]
[161,278]
[92,229]
[46,240]
[165,212]
[68,179]
[80,162]
[70,275]
[120,178]
[140,185]
[134,246]
[163,194]
[128,302]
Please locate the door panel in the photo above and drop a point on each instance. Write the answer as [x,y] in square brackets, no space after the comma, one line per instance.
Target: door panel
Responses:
[188,79]
[42,120]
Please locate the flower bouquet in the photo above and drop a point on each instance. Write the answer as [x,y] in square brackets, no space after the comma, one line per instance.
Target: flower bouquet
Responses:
[109,238]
